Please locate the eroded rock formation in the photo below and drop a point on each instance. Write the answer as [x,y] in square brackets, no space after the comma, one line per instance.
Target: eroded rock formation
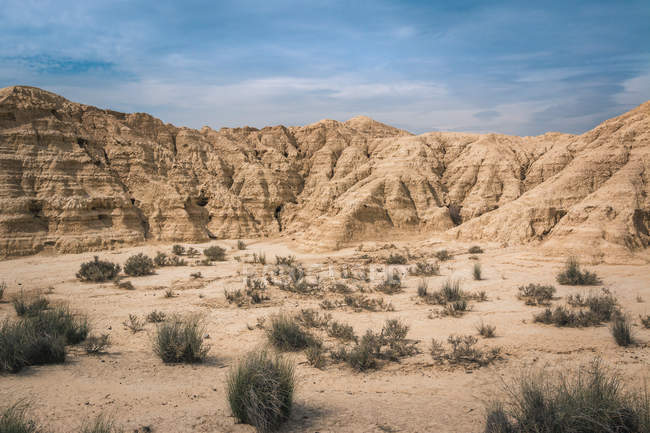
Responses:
[76,177]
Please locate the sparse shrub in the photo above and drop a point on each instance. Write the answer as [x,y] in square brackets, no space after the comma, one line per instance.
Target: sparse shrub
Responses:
[259,258]
[134,323]
[163,259]
[361,302]
[192,252]
[316,356]
[178,250]
[156,316]
[585,401]
[326,304]
[14,419]
[396,259]
[215,253]
[236,297]
[645,321]
[456,308]
[139,265]
[313,319]
[486,330]
[443,255]
[390,285]
[29,304]
[98,271]
[285,260]
[180,339]
[101,424]
[241,245]
[169,293]
[125,285]
[475,250]
[285,333]
[423,287]
[3,287]
[196,275]
[60,321]
[160,259]
[96,344]
[425,269]
[621,329]
[536,294]
[571,275]
[341,331]
[260,390]
[602,305]
[463,350]
[476,272]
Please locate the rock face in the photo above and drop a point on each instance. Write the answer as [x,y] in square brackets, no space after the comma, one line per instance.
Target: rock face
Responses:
[75,177]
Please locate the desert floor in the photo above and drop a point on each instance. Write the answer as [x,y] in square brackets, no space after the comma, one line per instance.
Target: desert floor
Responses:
[414,395]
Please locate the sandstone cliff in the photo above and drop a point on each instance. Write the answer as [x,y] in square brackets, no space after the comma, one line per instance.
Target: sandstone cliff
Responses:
[75,177]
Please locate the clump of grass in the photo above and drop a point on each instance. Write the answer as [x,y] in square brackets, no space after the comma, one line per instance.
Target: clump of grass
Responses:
[241,245]
[156,316]
[443,255]
[3,287]
[180,339]
[462,350]
[14,419]
[134,323]
[588,400]
[96,344]
[196,275]
[423,288]
[101,424]
[571,275]
[590,310]
[311,318]
[285,260]
[456,308]
[192,252]
[125,285]
[215,253]
[425,269]
[236,297]
[259,258]
[390,285]
[341,331]
[169,293]
[163,259]
[61,321]
[260,390]
[285,333]
[645,321]
[139,265]
[316,356]
[29,304]
[361,302]
[486,330]
[536,294]
[476,272]
[178,250]
[98,271]
[621,329]
[475,250]
[396,259]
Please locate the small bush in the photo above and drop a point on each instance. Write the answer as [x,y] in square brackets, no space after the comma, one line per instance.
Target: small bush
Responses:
[24,343]
[571,275]
[285,260]
[361,302]
[396,259]
[29,304]
[285,333]
[645,321]
[163,259]
[125,285]
[192,252]
[423,288]
[178,250]
[134,323]
[316,356]
[169,293]
[160,259]
[313,319]
[196,275]
[60,321]
[180,339]
[341,331]
[156,316]
[3,287]
[590,310]
[463,350]
[621,329]
[98,271]
[536,294]
[475,250]
[456,308]
[485,330]
[585,401]
[443,255]
[390,285]
[215,253]
[96,344]
[241,245]
[139,265]
[101,424]
[14,419]
[425,269]
[260,390]
[476,272]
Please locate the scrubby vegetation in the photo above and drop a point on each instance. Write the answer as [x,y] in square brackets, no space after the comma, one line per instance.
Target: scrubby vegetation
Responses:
[475,250]
[180,339]
[3,288]
[443,255]
[96,344]
[98,271]
[536,294]
[29,304]
[259,258]
[571,275]
[585,401]
[285,260]
[178,250]
[260,390]
[341,331]
[396,259]
[156,316]
[311,318]
[14,419]
[424,269]
[215,253]
[390,285]
[454,300]
[462,350]
[621,329]
[476,272]
[163,259]
[590,310]
[486,330]
[134,323]
[645,321]
[101,424]
[361,302]
[139,265]
[285,333]
[241,245]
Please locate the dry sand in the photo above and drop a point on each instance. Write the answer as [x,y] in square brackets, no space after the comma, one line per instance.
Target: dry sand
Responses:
[416,395]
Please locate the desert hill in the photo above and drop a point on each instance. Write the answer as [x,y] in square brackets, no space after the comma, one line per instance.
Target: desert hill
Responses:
[75,177]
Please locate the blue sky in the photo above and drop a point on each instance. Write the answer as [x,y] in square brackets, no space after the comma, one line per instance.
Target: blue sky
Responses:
[501,66]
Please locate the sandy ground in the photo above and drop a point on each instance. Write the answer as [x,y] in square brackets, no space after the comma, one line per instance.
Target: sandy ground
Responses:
[416,395]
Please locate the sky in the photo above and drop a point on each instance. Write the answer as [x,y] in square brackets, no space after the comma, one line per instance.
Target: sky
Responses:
[512,67]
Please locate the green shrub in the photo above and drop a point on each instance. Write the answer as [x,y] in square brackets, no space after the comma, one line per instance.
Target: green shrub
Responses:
[163,259]
[215,253]
[476,272]
[585,401]
[29,304]
[178,250]
[134,323]
[311,318]
[425,269]
[463,350]
[98,271]
[180,339]
[396,259]
[139,265]
[423,288]
[536,294]
[96,344]
[485,330]
[23,344]
[14,419]
[571,275]
[156,316]
[316,356]
[443,255]
[260,390]
[341,331]
[621,329]
[475,250]
[241,245]
[285,333]
[590,310]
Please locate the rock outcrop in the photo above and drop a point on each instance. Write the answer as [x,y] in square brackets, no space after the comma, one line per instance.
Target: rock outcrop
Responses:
[75,177]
